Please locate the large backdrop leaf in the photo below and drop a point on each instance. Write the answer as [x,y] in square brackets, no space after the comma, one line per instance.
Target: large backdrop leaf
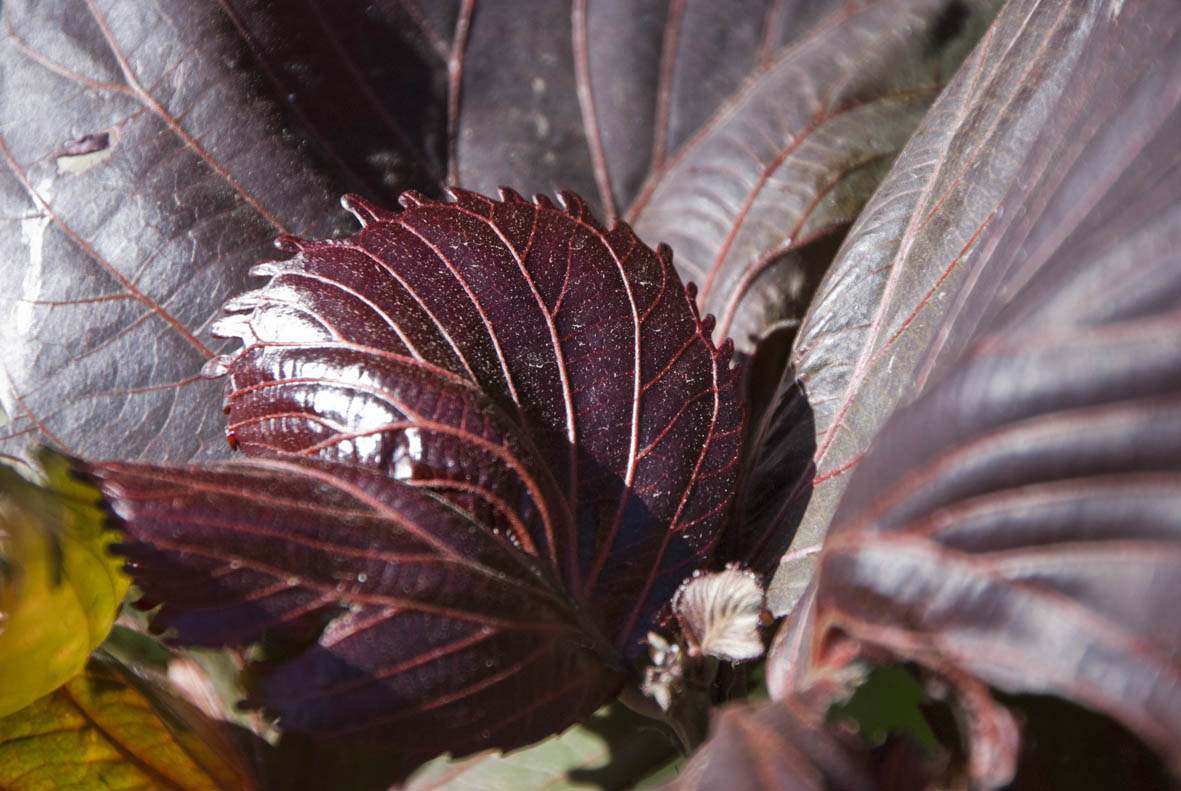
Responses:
[524,440]
[926,232]
[1016,523]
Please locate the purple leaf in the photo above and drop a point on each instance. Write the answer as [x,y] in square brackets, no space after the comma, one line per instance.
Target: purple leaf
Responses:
[921,237]
[115,257]
[1016,522]
[548,374]
[798,151]
[757,202]
[440,629]
[603,93]
[504,385]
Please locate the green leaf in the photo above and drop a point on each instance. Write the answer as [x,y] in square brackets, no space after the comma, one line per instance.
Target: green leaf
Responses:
[59,586]
[615,748]
[888,702]
[104,729]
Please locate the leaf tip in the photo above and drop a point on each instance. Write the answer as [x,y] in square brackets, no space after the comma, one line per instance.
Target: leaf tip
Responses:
[264,268]
[364,211]
[289,244]
[412,199]
[726,350]
[215,367]
[236,325]
[573,204]
[510,195]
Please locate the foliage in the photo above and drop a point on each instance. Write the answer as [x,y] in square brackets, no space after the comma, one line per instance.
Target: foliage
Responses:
[486,439]
[59,588]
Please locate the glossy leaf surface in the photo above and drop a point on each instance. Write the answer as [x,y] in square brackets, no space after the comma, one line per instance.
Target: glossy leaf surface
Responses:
[101,731]
[926,233]
[140,179]
[548,375]
[438,627]
[524,440]
[1016,523]
[60,588]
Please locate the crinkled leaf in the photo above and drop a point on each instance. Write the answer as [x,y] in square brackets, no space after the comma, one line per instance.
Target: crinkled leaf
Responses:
[1017,522]
[531,435]
[103,730]
[546,374]
[59,587]
[772,745]
[924,234]
[797,153]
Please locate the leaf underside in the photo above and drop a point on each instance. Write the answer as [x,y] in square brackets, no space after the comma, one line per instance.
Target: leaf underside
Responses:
[880,312]
[1017,523]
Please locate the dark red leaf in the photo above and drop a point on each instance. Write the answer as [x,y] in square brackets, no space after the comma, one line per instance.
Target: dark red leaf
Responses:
[1017,523]
[547,374]
[115,257]
[758,201]
[604,93]
[521,390]
[444,635]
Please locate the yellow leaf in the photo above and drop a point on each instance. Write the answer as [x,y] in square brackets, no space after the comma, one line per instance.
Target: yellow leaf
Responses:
[60,587]
[101,730]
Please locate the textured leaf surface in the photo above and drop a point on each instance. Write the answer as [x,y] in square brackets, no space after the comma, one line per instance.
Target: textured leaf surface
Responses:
[797,152]
[598,96]
[540,371]
[441,628]
[772,745]
[100,731]
[525,424]
[1017,522]
[148,155]
[139,182]
[60,589]
[918,241]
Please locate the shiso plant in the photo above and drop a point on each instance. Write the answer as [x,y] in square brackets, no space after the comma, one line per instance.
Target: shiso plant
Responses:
[815,422]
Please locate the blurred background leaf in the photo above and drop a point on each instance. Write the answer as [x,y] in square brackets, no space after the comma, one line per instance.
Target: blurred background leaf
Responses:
[60,588]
